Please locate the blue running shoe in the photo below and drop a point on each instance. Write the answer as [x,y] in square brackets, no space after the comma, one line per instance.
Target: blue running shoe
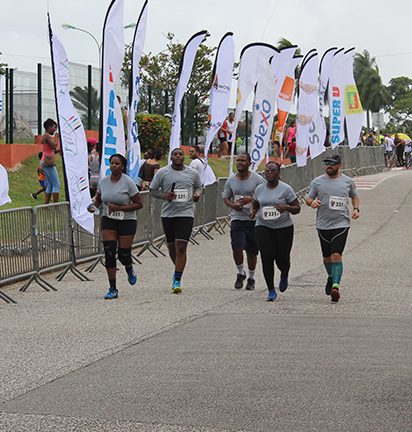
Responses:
[271,295]
[132,278]
[112,294]
[176,287]
[283,283]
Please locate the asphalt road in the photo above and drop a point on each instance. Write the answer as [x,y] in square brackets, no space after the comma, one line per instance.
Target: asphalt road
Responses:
[216,359]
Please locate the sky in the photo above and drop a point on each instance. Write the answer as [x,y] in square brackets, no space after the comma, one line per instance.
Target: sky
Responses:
[382,27]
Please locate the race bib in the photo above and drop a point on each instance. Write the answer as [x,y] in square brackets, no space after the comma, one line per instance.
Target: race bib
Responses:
[118,215]
[182,195]
[270,213]
[338,203]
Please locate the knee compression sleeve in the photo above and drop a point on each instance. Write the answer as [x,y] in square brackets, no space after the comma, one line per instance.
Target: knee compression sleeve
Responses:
[125,256]
[110,247]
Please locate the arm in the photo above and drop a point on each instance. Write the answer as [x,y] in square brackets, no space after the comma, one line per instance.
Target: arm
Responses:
[233,205]
[136,205]
[355,204]
[51,140]
[292,208]
[155,189]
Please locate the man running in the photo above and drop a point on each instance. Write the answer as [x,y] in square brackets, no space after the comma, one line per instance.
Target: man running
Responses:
[329,194]
[238,195]
[180,187]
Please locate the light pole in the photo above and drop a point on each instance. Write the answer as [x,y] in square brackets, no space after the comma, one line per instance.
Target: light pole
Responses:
[99,45]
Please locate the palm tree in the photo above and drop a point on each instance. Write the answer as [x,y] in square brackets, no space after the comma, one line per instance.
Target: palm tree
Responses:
[80,96]
[284,43]
[373,94]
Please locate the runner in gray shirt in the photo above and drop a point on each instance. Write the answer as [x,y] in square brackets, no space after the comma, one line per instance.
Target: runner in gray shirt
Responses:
[120,199]
[238,195]
[330,194]
[273,204]
[179,186]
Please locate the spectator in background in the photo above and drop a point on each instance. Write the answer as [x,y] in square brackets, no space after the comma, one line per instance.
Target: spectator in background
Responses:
[41,178]
[230,122]
[290,133]
[197,162]
[149,168]
[400,146]
[223,145]
[292,150]
[49,143]
[371,139]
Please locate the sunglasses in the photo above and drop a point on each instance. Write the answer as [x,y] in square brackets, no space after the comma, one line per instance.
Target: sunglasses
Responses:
[330,163]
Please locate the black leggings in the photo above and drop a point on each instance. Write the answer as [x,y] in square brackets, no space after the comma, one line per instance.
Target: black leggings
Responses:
[274,246]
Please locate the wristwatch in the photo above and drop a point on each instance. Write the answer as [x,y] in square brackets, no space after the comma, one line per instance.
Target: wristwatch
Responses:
[357,209]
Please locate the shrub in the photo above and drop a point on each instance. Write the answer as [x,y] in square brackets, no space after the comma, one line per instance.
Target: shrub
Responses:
[154,131]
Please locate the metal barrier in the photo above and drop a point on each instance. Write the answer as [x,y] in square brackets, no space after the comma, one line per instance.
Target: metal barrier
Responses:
[45,238]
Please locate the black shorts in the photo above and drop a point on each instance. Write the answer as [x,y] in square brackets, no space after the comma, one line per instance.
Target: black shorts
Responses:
[177,228]
[242,235]
[122,227]
[333,241]
[222,140]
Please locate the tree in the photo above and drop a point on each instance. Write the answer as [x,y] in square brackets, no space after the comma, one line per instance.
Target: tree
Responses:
[400,110]
[285,43]
[373,94]
[159,76]
[80,97]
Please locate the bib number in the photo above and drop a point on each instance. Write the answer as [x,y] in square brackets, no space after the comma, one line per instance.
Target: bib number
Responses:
[182,195]
[118,215]
[338,203]
[270,213]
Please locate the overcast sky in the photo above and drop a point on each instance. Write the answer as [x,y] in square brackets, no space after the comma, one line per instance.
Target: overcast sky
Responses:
[383,27]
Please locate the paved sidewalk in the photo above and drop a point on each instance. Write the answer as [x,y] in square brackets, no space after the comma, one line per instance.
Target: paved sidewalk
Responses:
[216,359]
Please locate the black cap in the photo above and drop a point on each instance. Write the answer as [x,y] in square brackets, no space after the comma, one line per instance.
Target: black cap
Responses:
[335,159]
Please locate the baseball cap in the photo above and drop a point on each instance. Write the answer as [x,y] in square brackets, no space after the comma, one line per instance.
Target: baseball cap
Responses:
[333,159]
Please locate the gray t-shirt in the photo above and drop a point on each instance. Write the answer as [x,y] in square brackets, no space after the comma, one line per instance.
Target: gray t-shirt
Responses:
[119,192]
[334,194]
[184,183]
[267,215]
[236,188]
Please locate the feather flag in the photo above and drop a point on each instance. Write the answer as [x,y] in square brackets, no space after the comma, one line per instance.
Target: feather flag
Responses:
[111,121]
[133,150]
[72,138]
[186,66]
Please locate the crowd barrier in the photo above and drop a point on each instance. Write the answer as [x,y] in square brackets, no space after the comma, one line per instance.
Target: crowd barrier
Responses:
[45,238]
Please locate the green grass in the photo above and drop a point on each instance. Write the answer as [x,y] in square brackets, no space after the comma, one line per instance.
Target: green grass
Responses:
[23,181]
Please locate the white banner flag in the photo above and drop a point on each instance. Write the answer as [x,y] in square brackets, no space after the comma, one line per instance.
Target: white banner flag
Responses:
[219,93]
[263,114]
[354,114]
[1,94]
[111,120]
[309,121]
[4,186]
[252,59]
[72,139]
[133,151]
[186,66]
[336,100]
[324,73]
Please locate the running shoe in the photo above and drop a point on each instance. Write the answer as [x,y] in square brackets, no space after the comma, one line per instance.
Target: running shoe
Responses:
[132,278]
[34,196]
[328,287]
[112,294]
[250,284]
[239,281]
[335,293]
[176,287]
[271,295]
[283,283]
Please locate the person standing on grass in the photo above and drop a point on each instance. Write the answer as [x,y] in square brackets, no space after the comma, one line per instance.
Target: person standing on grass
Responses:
[49,143]
[41,177]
